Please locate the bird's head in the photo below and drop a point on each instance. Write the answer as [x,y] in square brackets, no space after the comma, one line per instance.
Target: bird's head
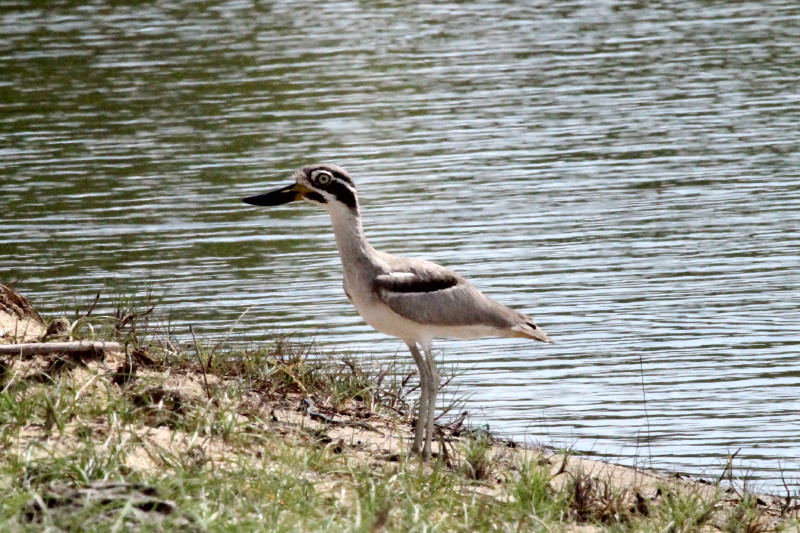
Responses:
[326,185]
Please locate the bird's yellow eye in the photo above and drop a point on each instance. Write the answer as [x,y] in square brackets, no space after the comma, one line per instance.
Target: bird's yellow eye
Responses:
[322,177]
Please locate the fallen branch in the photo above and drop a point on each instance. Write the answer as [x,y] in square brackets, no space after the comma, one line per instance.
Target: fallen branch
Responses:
[43,348]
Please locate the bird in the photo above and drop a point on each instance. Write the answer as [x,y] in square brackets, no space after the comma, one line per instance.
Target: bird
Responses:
[411,299]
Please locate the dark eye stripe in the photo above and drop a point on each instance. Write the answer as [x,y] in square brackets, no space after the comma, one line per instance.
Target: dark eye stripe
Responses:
[343,193]
[344,177]
[317,197]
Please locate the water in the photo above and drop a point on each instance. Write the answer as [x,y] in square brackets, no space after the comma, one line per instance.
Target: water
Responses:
[626,172]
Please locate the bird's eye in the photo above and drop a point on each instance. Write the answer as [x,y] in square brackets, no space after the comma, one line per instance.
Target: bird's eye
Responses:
[322,178]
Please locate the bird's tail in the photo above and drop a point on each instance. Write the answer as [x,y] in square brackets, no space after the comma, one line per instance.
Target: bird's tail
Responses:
[530,330]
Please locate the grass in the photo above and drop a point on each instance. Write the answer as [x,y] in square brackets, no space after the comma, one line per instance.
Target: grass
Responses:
[209,438]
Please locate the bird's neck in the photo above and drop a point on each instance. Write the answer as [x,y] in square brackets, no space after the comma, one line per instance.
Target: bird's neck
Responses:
[350,238]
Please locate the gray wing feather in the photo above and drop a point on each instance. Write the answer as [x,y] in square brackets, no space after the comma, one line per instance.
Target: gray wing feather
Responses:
[443,298]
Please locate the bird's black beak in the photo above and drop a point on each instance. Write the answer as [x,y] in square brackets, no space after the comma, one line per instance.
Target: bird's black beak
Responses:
[287,194]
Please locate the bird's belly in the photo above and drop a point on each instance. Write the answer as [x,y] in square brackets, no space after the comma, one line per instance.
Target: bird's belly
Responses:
[386,321]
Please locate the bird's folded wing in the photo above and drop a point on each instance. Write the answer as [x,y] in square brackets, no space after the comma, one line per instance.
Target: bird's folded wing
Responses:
[440,298]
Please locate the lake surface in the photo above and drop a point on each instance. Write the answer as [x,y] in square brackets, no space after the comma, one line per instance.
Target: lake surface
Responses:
[627,173]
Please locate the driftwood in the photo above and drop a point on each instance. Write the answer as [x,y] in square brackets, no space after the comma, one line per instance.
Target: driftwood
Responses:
[73,348]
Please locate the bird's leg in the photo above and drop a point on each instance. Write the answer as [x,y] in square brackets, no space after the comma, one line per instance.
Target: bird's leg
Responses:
[422,411]
[433,388]
[424,398]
